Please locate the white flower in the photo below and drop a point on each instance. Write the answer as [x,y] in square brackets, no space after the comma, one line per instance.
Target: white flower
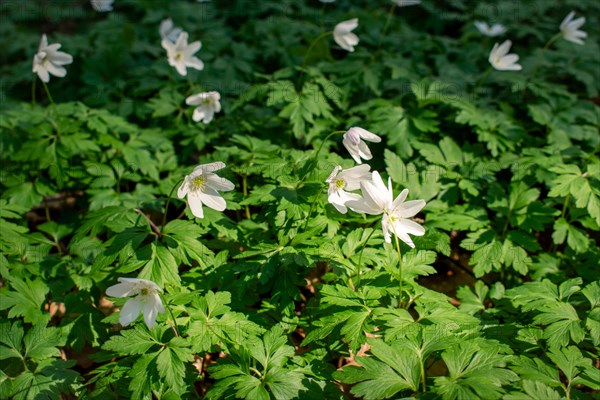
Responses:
[208,104]
[377,199]
[491,31]
[501,60]
[570,28]
[343,36]
[406,3]
[145,299]
[181,55]
[49,60]
[202,186]
[341,180]
[102,5]
[168,31]
[353,141]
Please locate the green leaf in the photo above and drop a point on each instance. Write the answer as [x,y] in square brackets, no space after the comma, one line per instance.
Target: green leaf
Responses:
[476,370]
[132,341]
[395,369]
[162,267]
[170,363]
[25,298]
[11,337]
[533,390]
[188,246]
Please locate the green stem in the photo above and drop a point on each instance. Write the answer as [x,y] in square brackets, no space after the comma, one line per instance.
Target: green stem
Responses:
[310,210]
[50,97]
[314,42]
[480,81]
[399,268]
[47,210]
[541,55]
[423,377]
[315,159]
[539,59]
[358,267]
[33,90]
[564,209]
[386,26]
[174,324]
[399,263]
[245,191]
[164,220]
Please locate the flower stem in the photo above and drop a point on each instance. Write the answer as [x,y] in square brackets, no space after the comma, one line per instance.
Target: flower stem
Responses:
[539,59]
[155,228]
[358,267]
[423,377]
[399,263]
[164,220]
[541,55]
[314,42]
[33,90]
[399,268]
[386,26]
[50,97]
[481,79]
[245,191]
[310,210]
[174,323]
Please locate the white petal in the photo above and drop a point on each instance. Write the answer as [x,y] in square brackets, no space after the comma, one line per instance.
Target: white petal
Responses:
[183,189]
[368,136]
[56,70]
[333,174]
[200,114]
[152,307]
[121,290]
[364,151]
[409,226]
[218,183]
[410,208]
[212,199]
[43,74]
[352,149]
[130,311]
[400,199]
[195,62]
[195,204]
[210,167]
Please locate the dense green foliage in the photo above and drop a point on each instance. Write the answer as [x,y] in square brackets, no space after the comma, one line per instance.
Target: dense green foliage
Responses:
[281,296]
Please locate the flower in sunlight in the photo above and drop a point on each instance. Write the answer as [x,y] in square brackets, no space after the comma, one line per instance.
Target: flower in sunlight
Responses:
[169,31]
[501,60]
[145,298]
[202,186]
[343,36]
[102,5]
[48,60]
[378,199]
[570,28]
[354,142]
[207,105]
[181,54]
[341,181]
[491,31]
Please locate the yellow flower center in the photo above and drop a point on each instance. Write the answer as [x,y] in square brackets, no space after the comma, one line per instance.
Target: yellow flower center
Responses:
[178,56]
[144,292]
[340,184]
[198,183]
